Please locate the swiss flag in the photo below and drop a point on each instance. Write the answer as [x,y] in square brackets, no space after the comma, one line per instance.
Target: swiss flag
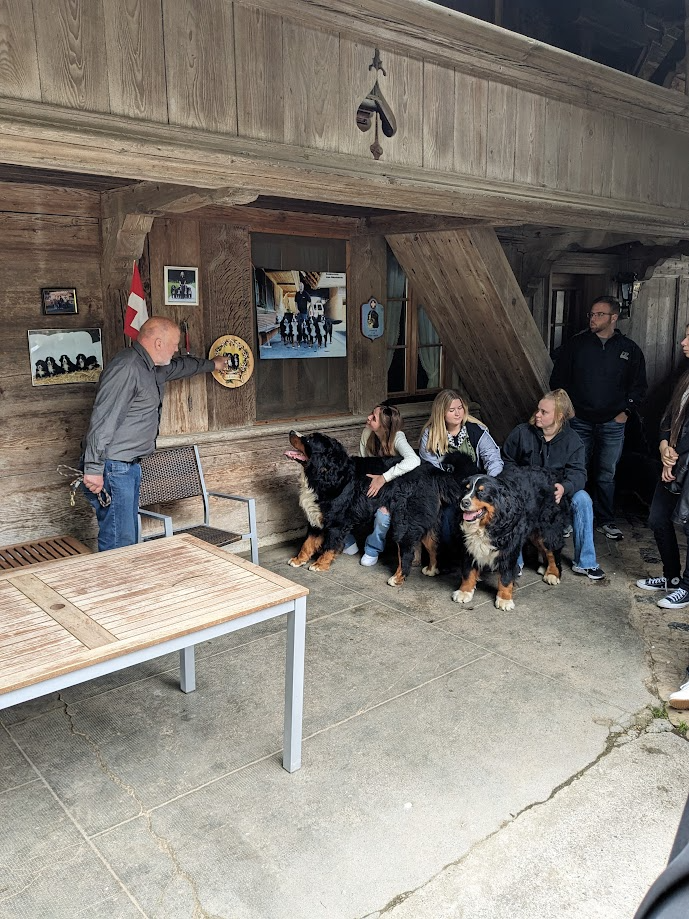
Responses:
[136,313]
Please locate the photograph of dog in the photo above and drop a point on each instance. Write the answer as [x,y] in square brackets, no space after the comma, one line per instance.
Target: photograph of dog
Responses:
[499,515]
[334,500]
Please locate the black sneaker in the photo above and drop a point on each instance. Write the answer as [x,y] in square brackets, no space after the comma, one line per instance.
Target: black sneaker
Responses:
[657,583]
[678,599]
[596,574]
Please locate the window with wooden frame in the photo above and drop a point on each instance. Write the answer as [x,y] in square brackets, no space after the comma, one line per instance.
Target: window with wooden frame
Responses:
[414,350]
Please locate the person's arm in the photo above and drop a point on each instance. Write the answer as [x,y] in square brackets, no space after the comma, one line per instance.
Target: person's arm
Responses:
[425,454]
[512,452]
[488,455]
[365,434]
[638,385]
[115,394]
[181,367]
[409,459]
[574,478]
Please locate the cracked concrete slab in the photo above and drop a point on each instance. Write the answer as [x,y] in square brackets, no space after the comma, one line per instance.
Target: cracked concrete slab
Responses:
[588,853]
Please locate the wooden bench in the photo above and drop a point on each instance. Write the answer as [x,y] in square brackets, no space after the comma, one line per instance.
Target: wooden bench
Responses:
[73,620]
[22,554]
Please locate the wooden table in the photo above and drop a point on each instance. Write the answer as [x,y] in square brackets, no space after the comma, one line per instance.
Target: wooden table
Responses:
[68,621]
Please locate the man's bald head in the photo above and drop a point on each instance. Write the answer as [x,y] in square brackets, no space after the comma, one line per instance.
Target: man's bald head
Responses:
[159,336]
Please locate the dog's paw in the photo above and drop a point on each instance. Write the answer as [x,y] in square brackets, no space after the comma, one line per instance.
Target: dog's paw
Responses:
[295,563]
[551,579]
[430,571]
[394,581]
[463,596]
[318,565]
[504,604]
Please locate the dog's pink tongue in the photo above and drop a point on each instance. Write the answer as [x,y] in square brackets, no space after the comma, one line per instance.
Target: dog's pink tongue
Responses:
[295,455]
[470,515]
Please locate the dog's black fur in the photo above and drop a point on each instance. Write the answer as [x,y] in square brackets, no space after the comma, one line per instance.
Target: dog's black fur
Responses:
[334,499]
[499,516]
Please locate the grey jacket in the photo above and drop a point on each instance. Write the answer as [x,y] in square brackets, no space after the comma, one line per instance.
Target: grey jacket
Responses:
[126,413]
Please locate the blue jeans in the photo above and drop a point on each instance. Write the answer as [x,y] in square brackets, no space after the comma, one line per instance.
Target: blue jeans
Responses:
[375,543]
[118,523]
[582,521]
[604,443]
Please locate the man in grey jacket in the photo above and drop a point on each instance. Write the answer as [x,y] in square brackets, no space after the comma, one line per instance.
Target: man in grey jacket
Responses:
[124,425]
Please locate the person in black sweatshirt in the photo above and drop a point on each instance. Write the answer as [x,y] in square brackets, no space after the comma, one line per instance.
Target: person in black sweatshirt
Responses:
[604,373]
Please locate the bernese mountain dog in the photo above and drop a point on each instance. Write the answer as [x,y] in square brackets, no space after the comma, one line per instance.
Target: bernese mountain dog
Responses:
[334,500]
[499,515]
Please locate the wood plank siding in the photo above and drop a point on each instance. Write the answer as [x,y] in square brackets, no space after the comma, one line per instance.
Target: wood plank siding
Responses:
[227,93]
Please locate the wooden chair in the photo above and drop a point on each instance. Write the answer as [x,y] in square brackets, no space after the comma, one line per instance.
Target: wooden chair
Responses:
[174,474]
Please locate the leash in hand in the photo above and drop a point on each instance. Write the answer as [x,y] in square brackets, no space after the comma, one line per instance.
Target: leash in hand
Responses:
[77,477]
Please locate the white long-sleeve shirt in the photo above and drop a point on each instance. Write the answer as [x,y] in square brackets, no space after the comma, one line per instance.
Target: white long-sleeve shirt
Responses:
[402,448]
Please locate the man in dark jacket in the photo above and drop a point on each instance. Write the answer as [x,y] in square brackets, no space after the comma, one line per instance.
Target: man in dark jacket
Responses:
[548,441]
[604,373]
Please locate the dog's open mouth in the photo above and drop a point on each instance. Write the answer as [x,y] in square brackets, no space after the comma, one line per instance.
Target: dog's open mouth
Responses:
[297,456]
[472,516]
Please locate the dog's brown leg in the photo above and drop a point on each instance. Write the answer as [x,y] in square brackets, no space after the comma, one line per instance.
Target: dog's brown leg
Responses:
[397,578]
[430,543]
[311,545]
[465,594]
[504,599]
[324,562]
[550,571]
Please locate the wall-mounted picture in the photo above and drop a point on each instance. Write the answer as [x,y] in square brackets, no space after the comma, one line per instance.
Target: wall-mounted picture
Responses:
[181,286]
[59,301]
[300,313]
[65,356]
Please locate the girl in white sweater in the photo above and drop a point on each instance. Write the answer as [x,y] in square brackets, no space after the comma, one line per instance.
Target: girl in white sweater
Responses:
[382,436]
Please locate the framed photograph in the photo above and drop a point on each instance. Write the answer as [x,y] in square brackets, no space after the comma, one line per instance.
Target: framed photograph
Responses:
[65,356]
[300,313]
[59,301]
[181,286]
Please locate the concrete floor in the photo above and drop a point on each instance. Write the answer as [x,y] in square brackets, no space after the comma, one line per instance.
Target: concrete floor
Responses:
[458,762]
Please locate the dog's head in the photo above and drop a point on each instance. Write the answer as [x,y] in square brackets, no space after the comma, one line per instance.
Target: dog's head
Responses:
[324,460]
[478,503]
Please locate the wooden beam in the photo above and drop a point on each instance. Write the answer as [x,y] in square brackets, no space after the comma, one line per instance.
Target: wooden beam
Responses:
[466,285]
[161,198]
[417,223]
[38,136]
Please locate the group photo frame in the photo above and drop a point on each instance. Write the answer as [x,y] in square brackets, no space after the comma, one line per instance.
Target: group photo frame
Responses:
[181,285]
[59,301]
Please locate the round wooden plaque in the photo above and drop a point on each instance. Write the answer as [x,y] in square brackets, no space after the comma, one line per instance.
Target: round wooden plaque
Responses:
[241,361]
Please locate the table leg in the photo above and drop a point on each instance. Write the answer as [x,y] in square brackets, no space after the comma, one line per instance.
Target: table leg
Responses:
[187,669]
[294,685]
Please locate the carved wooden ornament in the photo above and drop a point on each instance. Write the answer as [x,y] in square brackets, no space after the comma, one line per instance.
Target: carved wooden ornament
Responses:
[240,358]
[376,106]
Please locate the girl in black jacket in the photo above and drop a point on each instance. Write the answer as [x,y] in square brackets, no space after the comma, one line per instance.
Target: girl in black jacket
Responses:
[548,441]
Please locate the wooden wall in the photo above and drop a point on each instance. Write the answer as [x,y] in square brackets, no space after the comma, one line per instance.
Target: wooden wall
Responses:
[49,237]
[288,79]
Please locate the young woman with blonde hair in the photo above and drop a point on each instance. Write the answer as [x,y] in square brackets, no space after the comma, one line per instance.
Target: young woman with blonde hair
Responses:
[382,436]
[452,429]
[547,440]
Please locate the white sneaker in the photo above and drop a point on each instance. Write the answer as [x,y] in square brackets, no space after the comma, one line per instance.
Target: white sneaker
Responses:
[678,599]
[680,699]
[368,560]
[351,550]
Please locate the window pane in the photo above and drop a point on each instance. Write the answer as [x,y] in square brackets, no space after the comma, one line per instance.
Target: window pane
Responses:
[427,334]
[397,378]
[428,368]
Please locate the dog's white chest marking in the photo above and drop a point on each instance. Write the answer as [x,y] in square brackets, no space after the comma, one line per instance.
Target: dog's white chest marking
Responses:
[309,503]
[478,544]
